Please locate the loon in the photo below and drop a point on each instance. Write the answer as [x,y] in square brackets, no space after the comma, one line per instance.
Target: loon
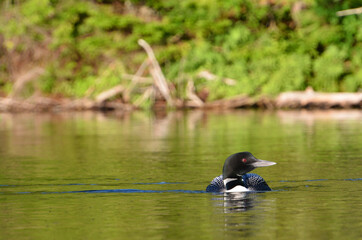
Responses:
[235,176]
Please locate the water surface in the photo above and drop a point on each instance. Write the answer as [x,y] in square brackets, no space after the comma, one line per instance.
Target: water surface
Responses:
[143,175]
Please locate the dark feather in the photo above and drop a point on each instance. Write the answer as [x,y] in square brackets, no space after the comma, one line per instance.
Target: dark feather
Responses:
[216,185]
[252,182]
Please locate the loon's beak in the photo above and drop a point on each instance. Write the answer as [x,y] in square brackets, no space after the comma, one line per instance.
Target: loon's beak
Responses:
[262,163]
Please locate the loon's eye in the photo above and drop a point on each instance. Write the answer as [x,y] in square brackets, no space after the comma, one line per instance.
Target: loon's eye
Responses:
[244,160]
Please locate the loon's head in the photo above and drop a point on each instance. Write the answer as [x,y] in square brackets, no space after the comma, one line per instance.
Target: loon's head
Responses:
[241,163]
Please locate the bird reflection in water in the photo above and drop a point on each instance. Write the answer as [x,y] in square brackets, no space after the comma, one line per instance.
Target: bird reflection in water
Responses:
[236,201]
[236,215]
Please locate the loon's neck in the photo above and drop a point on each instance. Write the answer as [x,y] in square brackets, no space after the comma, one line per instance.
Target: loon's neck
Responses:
[234,185]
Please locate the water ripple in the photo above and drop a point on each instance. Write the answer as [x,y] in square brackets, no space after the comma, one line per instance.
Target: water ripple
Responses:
[317,180]
[160,183]
[119,191]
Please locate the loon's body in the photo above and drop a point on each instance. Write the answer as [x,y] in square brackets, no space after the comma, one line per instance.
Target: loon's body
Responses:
[235,177]
[251,182]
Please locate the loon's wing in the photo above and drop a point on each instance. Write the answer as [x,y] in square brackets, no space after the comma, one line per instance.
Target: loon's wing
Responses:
[254,182]
[216,185]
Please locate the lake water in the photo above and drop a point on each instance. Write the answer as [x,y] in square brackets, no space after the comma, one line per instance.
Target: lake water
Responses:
[143,175]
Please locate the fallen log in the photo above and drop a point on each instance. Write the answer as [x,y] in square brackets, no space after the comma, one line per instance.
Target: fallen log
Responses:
[190,92]
[106,95]
[351,11]
[311,99]
[29,76]
[290,100]
[43,104]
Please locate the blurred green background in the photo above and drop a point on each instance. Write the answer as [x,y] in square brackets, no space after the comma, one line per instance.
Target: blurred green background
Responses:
[266,46]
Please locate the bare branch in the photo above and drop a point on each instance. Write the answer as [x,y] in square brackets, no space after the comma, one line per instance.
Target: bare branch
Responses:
[103,96]
[147,94]
[156,72]
[190,88]
[351,11]
[135,80]
[25,78]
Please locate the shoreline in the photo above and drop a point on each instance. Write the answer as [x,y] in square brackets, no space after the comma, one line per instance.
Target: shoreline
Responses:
[289,100]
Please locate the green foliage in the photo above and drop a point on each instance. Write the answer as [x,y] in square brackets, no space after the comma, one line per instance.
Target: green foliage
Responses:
[328,68]
[265,48]
[328,8]
[236,37]
[353,83]
[291,74]
[37,11]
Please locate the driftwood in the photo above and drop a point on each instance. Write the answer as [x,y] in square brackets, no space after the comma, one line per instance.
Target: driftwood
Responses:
[146,95]
[190,92]
[291,100]
[311,99]
[42,104]
[351,11]
[30,76]
[159,89]
[106,95]
[135,80]
[156,72]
